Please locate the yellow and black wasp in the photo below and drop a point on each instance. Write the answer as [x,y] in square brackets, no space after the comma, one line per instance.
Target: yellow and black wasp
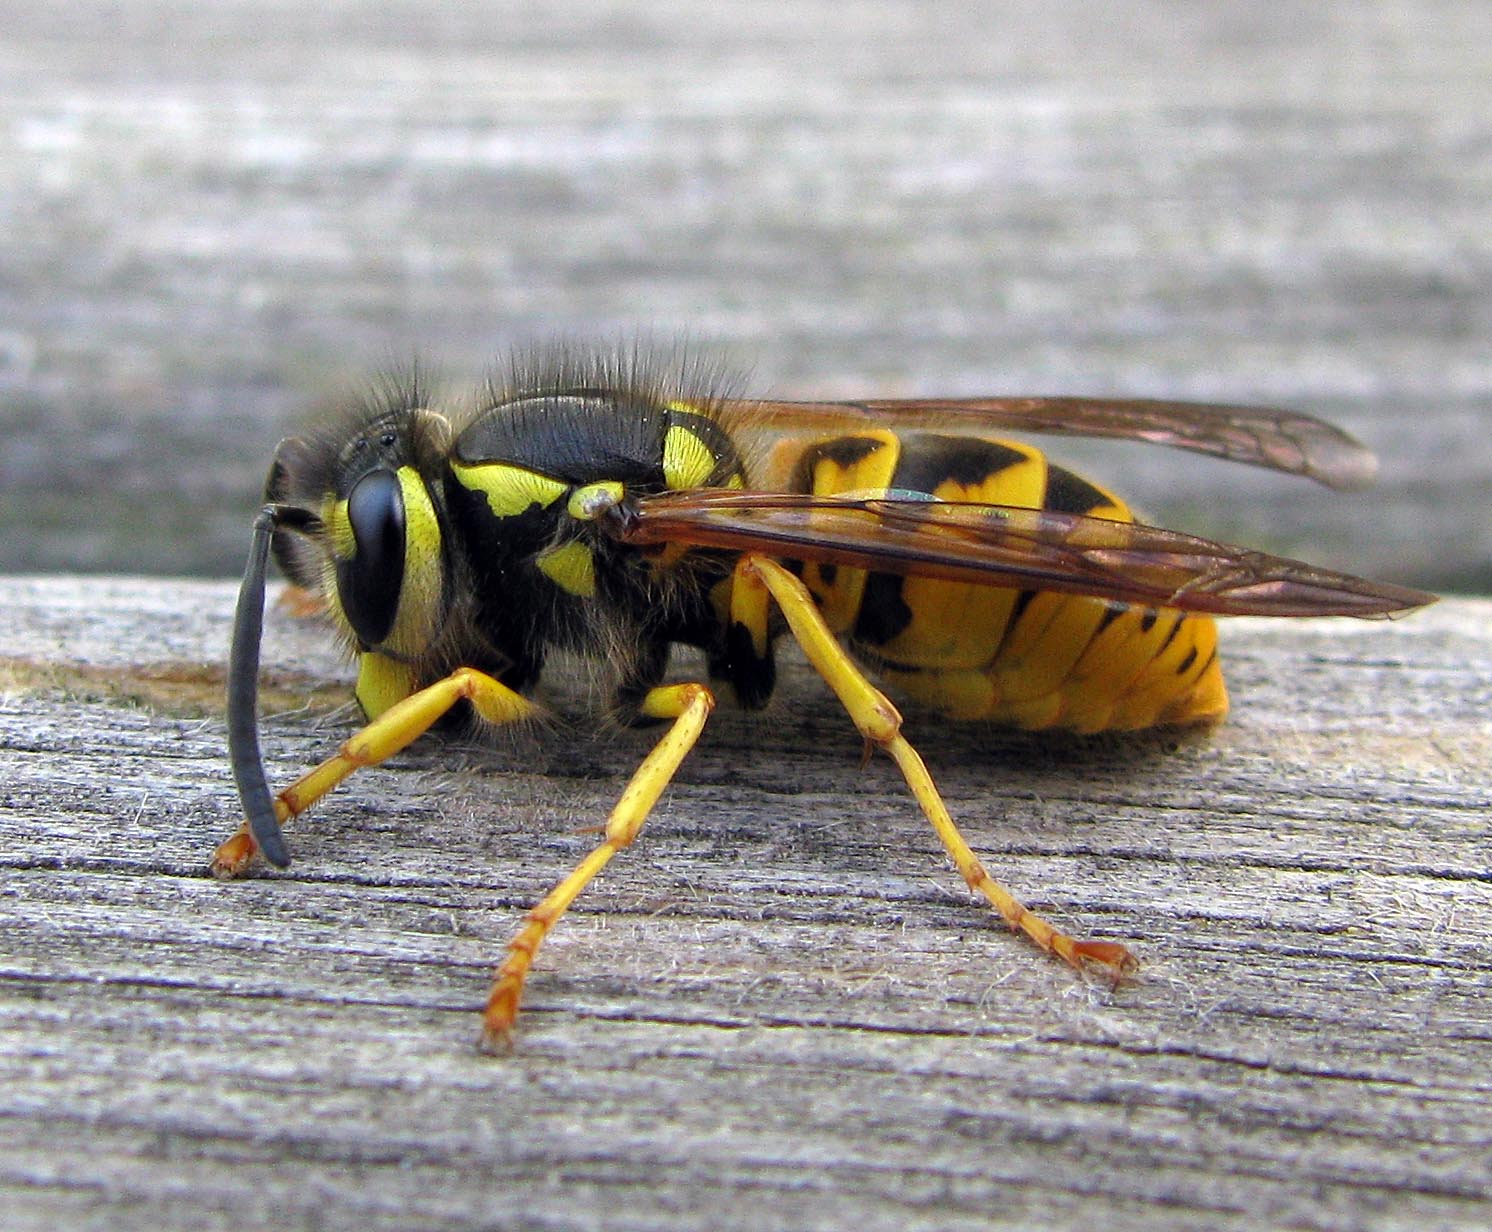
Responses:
[611,509]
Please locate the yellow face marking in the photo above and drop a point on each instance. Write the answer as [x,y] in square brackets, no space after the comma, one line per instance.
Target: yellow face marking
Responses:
[338,528]
[381,682]
[571,567]
[342,546]
[510,490]
[416,621]
[421,592]
[687,460]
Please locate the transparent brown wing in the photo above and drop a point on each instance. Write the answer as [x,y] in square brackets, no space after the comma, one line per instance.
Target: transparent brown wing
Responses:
[1033,549]
[1261,436]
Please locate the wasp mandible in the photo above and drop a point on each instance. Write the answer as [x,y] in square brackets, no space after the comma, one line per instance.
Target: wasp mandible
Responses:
[614,507]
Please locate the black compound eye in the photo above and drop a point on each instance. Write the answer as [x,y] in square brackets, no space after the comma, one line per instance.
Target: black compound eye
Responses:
[368,585]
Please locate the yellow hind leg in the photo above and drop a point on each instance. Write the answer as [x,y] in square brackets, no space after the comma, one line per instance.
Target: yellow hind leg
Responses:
[880,723]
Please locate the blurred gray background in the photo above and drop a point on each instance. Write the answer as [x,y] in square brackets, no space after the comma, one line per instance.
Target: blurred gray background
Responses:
[214,217]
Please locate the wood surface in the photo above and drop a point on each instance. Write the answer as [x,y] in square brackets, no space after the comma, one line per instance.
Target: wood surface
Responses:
[781,1008]
[215,217]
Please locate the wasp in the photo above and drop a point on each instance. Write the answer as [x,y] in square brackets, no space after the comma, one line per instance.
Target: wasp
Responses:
[614,507]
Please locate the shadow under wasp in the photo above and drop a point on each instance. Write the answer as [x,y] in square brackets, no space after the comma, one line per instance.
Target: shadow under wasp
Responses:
[612,507]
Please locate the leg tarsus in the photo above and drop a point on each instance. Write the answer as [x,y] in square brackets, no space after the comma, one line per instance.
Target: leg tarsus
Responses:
[234,854]
[1116,960]
[237,853]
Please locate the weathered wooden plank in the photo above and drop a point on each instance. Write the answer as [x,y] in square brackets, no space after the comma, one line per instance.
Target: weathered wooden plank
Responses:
[781,1008]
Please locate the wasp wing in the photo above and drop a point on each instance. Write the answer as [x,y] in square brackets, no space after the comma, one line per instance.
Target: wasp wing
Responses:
[1001,545]
[1260,436]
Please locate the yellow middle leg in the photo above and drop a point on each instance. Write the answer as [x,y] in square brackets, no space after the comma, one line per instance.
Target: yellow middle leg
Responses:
[688,705]
[880,723]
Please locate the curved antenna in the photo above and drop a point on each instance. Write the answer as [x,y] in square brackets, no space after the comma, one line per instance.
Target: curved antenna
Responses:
[243,683]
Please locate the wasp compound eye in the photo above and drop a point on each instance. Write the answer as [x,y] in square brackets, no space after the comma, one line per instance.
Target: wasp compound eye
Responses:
[369,583]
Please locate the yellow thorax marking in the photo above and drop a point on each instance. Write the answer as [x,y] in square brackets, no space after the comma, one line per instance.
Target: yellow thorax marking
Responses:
[510,490]
[587,503]
[687,460]
[571,567]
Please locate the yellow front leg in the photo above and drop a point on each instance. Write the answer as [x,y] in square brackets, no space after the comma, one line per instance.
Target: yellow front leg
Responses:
[397,727]
[880,723]
[688,705]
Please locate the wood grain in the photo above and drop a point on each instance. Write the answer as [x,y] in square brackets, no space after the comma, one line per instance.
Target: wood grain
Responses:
[780,1009]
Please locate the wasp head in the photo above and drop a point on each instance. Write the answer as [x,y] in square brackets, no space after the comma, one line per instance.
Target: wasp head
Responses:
[354,515]
[376,556]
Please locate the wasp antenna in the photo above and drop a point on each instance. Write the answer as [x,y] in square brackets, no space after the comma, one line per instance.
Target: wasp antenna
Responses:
[243,684]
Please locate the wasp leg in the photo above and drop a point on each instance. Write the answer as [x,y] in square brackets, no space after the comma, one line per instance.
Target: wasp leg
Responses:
[880,723]
[688,705]
[398,726]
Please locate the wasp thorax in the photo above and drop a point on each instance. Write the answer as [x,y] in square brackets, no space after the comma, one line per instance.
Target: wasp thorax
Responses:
[385,569]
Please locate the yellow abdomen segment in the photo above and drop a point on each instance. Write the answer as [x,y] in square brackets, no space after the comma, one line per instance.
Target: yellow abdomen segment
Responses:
[1027,658]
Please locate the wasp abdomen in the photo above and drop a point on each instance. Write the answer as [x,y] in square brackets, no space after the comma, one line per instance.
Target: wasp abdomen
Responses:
[1032,659]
